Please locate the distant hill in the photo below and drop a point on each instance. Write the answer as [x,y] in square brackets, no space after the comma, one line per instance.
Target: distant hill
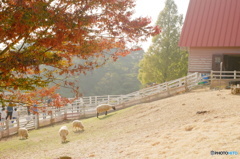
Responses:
[114,78]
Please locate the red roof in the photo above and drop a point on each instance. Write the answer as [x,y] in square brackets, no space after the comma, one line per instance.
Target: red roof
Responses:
[211,23]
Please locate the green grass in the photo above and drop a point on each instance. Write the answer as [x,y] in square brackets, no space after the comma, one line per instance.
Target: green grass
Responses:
[47,138]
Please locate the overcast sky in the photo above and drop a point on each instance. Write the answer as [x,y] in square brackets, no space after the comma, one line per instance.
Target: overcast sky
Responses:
[152,8]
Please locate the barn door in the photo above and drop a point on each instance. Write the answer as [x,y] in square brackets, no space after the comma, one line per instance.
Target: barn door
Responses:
[216,60]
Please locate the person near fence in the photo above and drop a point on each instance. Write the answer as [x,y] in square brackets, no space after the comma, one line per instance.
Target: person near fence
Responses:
[44,111]
[35,109]
[14,114]
[10,110]
[49,110]
[49,102]
[3,116]
[28,110]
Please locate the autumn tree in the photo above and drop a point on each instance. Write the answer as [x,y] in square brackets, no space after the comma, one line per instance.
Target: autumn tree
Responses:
[39,38]
[114,78]
[165,60]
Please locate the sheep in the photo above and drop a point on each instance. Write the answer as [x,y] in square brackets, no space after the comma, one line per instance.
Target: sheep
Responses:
[77,125]
[104,108]
[63,132]
[23,133]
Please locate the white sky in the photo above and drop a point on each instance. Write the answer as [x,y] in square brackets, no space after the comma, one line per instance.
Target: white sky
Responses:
[152,8]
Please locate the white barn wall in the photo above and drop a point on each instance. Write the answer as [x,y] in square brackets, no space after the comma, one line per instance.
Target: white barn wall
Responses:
[200,59]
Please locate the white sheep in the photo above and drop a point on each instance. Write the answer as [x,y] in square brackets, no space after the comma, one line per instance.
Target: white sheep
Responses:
[63,132]
[23,133]
[77,125]
[104,108]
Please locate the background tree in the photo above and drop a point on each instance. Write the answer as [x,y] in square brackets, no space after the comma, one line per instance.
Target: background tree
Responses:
[114,78]
[35,34]
[164,60]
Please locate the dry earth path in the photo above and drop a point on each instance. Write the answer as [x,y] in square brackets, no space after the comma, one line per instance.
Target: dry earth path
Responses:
[186,126]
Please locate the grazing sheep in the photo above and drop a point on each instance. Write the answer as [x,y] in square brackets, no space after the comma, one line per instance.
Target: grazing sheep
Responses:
[63,132]
[77,125]
[23,133]
[104,108]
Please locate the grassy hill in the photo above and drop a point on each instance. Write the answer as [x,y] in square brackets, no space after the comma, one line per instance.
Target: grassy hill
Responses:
[189,125]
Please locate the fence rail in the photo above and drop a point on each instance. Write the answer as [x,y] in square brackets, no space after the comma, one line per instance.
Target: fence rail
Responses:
[225,75]
[189,82]
[85,106]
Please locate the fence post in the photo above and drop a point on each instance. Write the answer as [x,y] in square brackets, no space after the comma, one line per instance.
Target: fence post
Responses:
[118,100]
[235,73]
[220,82]
[167,88]
[211,75]
[51,119]
[186,83]
[158,88]
[211,79]
[90,100]
[36,124]
[18,123]
[84,108]
[1,128]
[65,113]
[179,83]
[96,100]
[7,126]
[199,77]
[108,98]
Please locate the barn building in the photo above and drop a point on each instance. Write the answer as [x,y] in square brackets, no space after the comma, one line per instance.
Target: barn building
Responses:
[211,32]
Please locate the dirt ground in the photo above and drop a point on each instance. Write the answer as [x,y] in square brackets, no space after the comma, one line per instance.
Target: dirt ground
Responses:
[186,126]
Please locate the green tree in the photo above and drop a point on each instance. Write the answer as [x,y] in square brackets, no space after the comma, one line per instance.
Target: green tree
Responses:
[164,60]
[113,78]
[120,77]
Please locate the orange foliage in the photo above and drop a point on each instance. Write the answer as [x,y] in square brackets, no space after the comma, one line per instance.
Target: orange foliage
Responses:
[35,33]
[41,96]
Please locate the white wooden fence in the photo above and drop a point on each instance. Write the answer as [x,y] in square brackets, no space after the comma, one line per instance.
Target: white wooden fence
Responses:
[85,106]
[188,82]
[225,75]
[224,78]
